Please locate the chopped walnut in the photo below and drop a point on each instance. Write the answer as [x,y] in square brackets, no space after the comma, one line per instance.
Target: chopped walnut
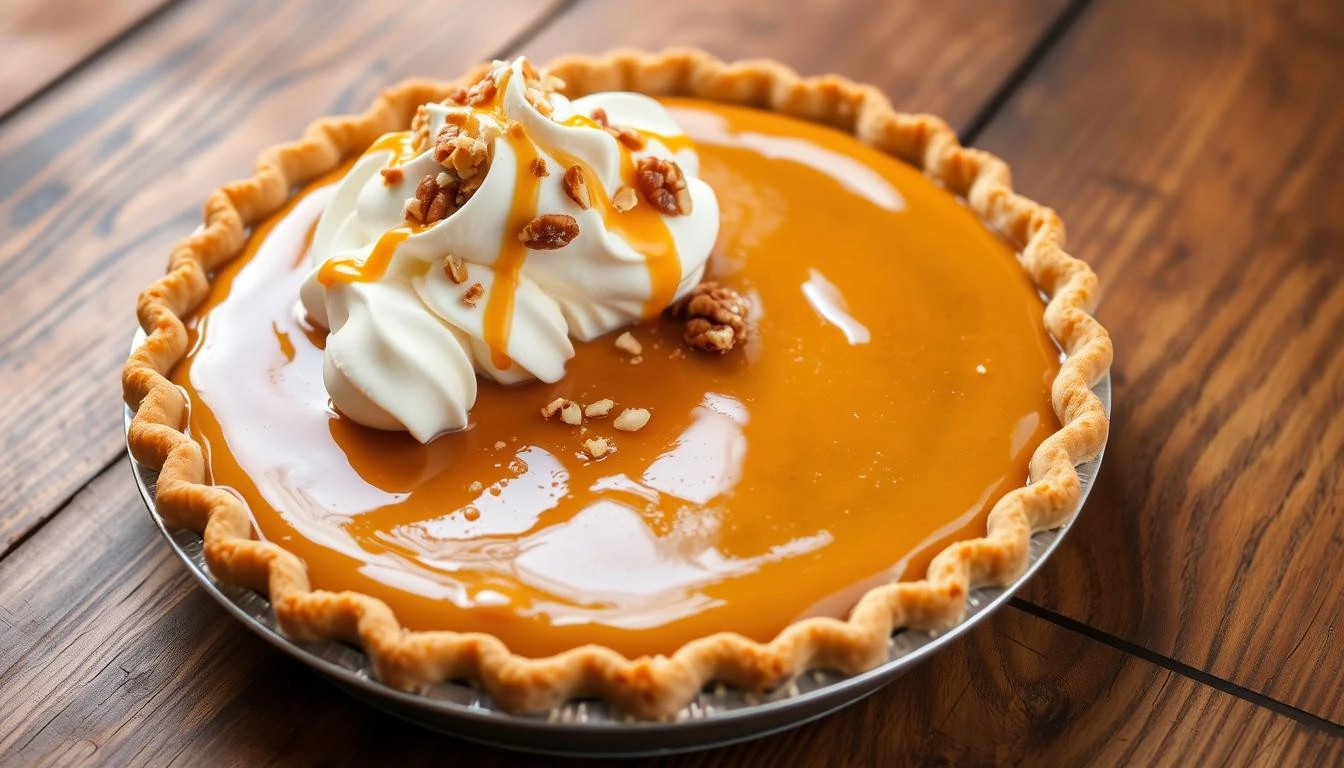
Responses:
[420,129]
[663,185]
[549,231]
[550,409]
[624,199]
[596,447]
[631,419]
[482,92]
[627,342]
[473,294]
[599,116]
[455,268]
[392,176]
[599,409]
[576,186]
[716,317]
[538,167]
[476,486]
[457,96]
[571,413]
[432,202]
[443,141]
[627,136]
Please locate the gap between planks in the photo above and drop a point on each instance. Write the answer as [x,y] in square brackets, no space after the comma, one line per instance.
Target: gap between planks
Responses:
[1303,717]
[92,56]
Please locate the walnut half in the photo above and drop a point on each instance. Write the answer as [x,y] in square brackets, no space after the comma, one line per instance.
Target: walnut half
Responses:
[715,315]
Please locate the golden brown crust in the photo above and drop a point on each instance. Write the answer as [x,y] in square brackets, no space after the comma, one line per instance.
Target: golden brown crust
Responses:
[650,687]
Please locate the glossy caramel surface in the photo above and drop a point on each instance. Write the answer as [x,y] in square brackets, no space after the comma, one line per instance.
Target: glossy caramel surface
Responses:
[895,385]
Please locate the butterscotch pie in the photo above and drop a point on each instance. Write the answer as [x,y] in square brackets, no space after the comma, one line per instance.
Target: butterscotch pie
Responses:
[619,378]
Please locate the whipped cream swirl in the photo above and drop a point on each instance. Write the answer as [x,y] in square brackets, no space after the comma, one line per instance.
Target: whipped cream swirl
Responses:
[406,341]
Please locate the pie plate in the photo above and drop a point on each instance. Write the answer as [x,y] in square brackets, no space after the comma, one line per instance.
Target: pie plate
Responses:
[716,717]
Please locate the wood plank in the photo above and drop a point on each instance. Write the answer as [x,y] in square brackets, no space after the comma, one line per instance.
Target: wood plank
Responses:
[110,653]
[948,62]
[1195,151]
[50,37]
[102,176]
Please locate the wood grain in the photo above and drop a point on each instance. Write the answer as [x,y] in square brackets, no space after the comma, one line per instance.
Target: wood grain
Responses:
[948,62]
[102,176]
[121,659]
[1195,150]
[44,38]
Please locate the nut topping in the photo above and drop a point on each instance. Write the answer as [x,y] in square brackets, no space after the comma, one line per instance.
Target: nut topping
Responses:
[473,294]
[627,342]
[576,186]
[455,268]
[538,167]
[716,317]
[549,231]
[596,447]
[482,92]
[663,185]
[392,176]
[571,413]
[432,202]
[624,199]
[631,419]
[599,409]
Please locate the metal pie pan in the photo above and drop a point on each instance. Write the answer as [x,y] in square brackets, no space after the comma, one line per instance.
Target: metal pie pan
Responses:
[718,716]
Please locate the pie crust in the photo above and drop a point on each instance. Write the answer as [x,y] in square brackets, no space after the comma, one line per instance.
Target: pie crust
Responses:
[648,687]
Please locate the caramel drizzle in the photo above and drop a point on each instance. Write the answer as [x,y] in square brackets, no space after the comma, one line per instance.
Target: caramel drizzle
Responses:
[642,227]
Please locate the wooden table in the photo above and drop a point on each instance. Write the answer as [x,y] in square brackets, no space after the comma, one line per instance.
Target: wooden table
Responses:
[1196,150]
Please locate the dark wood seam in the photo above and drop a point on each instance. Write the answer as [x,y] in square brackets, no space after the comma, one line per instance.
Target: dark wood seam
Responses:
[1059,27]
[75,69]
[1304,718]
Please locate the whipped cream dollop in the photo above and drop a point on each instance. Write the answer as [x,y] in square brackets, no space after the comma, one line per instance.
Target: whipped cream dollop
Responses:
[423,294]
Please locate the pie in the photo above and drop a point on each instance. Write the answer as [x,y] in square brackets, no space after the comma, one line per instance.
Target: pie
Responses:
[618,378]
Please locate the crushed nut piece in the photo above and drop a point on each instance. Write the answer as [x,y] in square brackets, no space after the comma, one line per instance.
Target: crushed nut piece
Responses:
[550,409]
[516,130]
[624,199]
[392,176]
[482,92]
[455,268]
[549,231]
[632,419]
[473,294]
[716,317]
[627,342]
[443,141]
[576,186]
[599,409]
[571,413]
[663,185]
[500,445]
[538,166]
[420,130]
[476,486]
[636,360]
[457,96]
[627,136]
[596,447]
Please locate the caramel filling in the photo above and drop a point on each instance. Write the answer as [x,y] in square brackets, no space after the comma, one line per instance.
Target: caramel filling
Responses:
[895,384]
